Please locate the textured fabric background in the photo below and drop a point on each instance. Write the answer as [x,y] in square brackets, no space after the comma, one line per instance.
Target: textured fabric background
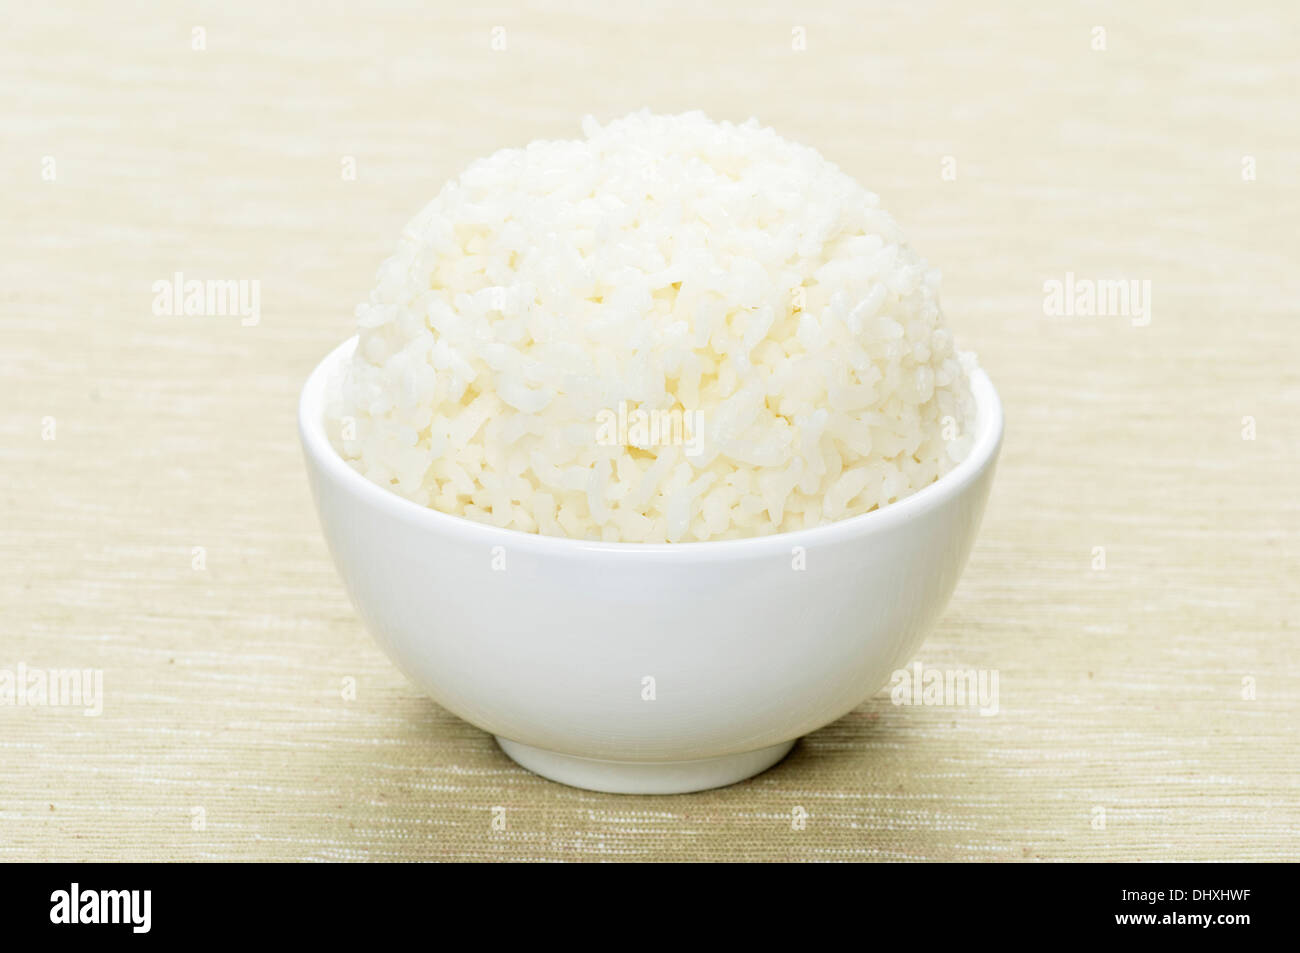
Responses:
[1127,727]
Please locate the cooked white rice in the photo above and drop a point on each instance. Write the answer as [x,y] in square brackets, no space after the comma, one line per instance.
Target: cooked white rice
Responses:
[671,330]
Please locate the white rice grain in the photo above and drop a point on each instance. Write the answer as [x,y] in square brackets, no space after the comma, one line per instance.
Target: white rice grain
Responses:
[662,265]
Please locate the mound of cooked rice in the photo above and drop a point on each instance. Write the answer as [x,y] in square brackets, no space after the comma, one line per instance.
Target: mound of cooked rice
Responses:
[671,330]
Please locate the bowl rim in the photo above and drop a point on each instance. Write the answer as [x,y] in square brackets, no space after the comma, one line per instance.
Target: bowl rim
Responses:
[318,448]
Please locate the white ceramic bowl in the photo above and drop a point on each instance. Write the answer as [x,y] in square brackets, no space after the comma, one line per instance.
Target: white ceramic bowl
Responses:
[646,668]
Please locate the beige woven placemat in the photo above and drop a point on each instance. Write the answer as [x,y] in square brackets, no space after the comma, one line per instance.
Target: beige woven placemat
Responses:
[165,536]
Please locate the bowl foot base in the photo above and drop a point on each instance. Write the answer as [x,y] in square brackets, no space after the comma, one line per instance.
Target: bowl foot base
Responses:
[644,777]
